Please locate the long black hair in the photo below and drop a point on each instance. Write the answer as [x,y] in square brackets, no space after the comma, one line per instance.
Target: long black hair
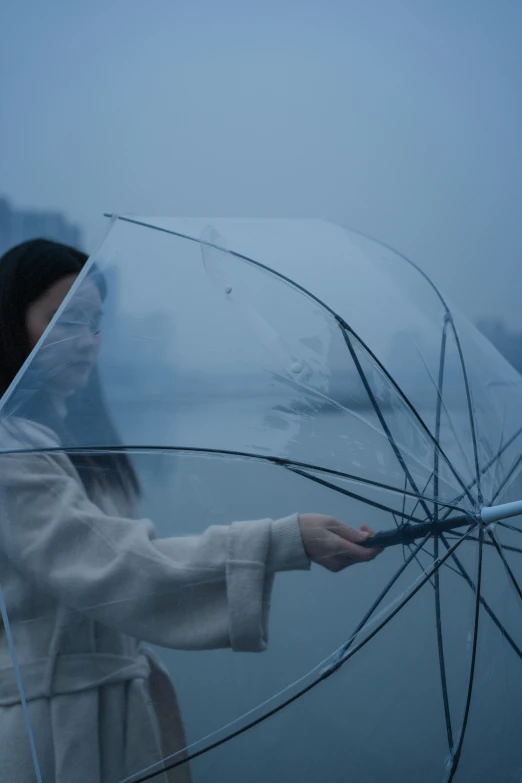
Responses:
[26,272]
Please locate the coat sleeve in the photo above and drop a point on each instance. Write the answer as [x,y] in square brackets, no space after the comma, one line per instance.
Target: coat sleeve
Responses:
[196,592]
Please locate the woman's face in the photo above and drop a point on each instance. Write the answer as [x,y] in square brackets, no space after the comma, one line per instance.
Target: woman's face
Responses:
[69,352]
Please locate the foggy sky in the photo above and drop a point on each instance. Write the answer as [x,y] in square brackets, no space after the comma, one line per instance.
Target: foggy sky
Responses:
[399,119]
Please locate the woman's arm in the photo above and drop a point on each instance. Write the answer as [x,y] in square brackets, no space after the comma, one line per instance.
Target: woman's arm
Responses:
[193,592]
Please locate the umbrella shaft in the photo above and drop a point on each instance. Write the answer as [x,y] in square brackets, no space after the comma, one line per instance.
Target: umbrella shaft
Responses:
[408,533]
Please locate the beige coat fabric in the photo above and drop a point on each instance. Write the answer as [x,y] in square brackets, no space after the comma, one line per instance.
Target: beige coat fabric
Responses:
[86,586]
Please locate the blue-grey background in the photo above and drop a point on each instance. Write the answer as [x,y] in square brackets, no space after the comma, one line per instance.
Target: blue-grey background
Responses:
[400,119]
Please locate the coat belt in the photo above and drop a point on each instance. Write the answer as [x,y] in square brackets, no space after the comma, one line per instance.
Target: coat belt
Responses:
[71,673]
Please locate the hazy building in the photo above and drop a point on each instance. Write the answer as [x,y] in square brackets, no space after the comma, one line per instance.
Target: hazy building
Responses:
[17,225]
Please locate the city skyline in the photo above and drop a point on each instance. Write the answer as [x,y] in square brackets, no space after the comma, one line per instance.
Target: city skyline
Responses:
[18,224]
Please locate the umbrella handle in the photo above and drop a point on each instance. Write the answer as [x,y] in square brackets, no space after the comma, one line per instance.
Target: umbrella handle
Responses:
[407,534]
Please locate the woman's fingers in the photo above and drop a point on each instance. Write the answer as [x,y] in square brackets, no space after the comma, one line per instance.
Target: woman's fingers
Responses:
[334,545]
[341,551]
[351,533]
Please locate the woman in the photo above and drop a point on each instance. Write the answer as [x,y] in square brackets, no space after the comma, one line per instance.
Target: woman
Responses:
[84,583]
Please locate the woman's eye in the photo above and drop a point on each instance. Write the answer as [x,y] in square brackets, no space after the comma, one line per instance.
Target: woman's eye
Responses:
[81,320]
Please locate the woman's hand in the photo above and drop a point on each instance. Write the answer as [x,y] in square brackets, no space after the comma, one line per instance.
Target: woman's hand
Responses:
[333,545]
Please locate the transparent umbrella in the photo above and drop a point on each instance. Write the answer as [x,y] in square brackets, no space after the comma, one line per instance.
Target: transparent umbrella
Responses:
[253,369]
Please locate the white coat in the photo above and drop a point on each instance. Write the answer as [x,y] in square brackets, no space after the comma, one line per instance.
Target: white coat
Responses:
[85,586]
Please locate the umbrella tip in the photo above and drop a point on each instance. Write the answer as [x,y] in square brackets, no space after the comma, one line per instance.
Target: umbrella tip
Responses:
[490,514]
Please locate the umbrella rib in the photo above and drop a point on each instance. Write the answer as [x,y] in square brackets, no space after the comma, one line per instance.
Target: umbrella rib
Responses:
[507,478]
[322,676]
[484,603]
[404,510]
[430,555]
[455,755]
[439,397]
[505,547]
[514,466]
[501,451]
[404,496]
[380,598]
[4,622]
[440,381]
[471,410]
[438,615]
[418,561]
[463,365]
[289,465]
[512,576]
[382,420]
[440,647]
[347,329]
[279,461]
[495,477]
[423,491]
[348,493]
[492,462]
[516,434]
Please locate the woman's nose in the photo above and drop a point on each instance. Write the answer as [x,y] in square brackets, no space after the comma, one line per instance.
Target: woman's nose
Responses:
[88,339]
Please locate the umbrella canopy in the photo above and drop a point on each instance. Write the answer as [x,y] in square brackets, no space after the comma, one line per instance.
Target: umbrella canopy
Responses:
[254,368]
